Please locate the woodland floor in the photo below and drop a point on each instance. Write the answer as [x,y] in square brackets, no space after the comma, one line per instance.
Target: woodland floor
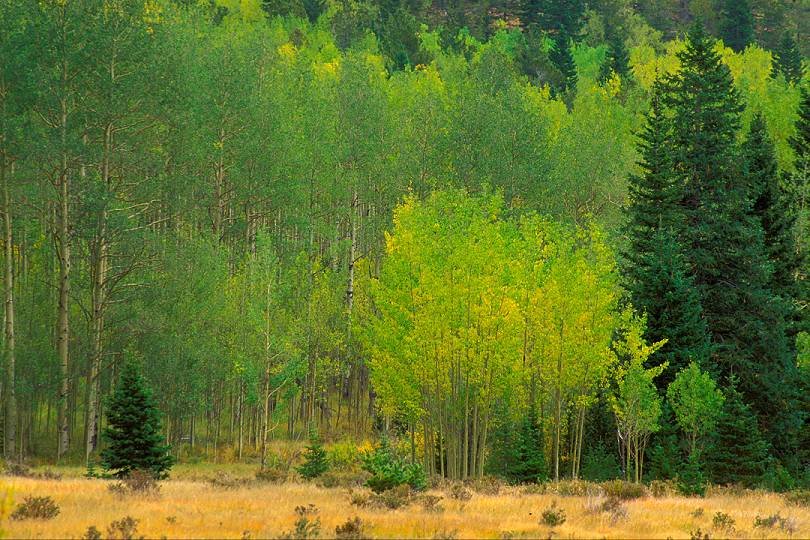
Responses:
[189,506]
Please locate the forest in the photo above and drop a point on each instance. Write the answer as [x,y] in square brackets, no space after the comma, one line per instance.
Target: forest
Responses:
[530,239]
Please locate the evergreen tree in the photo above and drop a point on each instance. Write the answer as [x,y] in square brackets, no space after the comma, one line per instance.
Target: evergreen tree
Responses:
[736,24]
[723,240]
[788,59]
[739,454]
[617,59]
[563,60]
[656,275]
[562,18]
[315,460]
[529,463]
[773,209]
[133,436]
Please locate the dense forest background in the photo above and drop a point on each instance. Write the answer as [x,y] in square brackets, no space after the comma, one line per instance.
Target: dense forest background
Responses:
[467,224]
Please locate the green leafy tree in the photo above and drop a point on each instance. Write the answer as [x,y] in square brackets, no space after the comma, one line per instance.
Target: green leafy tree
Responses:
[738,454]
[316,461]
[697,404]
[388,470]
[133,437]
[736,24]
[636,404]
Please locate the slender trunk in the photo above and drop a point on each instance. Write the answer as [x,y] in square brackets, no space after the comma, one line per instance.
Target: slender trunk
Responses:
[10,430]
[558,411]
[63,320]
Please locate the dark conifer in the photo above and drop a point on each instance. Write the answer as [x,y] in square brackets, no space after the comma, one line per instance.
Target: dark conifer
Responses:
[736,24]
[788,59]
[723,240]
[133,436]
[316,461]
[655,272]
[739,454]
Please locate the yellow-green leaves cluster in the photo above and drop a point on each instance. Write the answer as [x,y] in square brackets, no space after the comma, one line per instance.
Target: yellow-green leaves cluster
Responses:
[471,305]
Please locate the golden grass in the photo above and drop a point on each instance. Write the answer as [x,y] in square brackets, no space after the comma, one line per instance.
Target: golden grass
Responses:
[195,509]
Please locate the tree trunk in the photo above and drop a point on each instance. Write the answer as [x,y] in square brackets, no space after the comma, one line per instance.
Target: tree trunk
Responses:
[63,315]
[10,429]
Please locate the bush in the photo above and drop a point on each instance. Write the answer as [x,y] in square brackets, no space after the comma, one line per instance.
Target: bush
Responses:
[460,493]
[723,522]
[663,488]
[389,470]
[123,529]
[272,475]
[137,482]
[599,464]
[226,481]
[553,516]
[344,479]
[486,485]
[307,525]
[777,478]
[393,498]
[799,497]
[315,461]
[691,481]
[569,488]
[698,535]
[624,491]
[35,508]
[431,503]
[92,533]
[353,529]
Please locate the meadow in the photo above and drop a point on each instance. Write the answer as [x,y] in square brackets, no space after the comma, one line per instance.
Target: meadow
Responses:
[206,501]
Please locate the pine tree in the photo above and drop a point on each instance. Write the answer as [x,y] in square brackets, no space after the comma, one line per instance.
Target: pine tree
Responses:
[723,240]
[737,24]
[772,207]
[617,59]
[656,275]
[315,460]
[133,436]
[529,463]
[739,454]
[788,59]
[560,55]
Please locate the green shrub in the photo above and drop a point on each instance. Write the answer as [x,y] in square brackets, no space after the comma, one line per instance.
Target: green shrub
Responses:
[723,522]
[35,508]
[623,491]
[388,470]
[599,465]
[307,525]
[800,497]
[553,516]
[315,460]
[353,529]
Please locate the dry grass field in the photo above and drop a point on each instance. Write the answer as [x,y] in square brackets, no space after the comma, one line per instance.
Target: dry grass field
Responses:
[189,506]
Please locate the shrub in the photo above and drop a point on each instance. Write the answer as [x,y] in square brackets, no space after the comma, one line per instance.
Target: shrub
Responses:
[697,513]
[691,481]
[227,481]
[389,470]
[431,503]
[486,485]
[698,535]
[768,522]
[35,508]
[723,522]
[137,482]
[393,498]
[359,499]
[663,488]
[600,464]
[345,479]
[445,534]
[123,529]
[344,456]
[315,461]
[92,533]
[460,493]
[307,525]
[273,475]
[553,516]
[799,497]
[353,529]
[624,491]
